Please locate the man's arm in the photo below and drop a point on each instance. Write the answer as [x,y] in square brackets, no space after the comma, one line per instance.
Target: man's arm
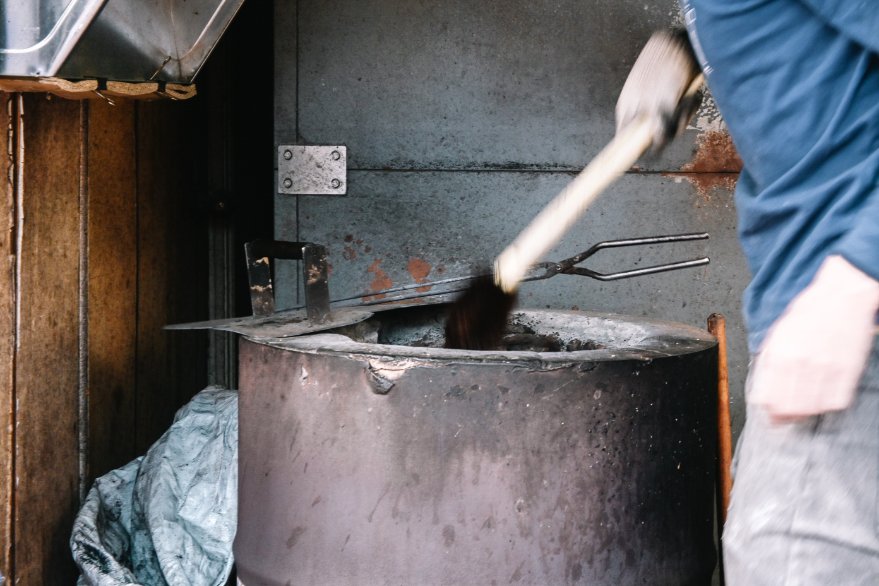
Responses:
[814,355]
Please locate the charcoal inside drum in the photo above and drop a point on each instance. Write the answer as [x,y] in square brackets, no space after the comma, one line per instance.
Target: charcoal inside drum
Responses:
[529,342]
[580,345]
[423,327]
[532,343]
[520,337]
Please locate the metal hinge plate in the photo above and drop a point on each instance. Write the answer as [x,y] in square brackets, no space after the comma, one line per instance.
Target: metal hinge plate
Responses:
[312,170]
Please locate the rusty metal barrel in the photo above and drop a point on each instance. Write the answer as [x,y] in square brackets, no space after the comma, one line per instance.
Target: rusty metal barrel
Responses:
[582,453]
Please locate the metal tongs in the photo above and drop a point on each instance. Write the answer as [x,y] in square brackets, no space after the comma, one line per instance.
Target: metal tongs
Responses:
[568,266]
[320,314]
[539,271]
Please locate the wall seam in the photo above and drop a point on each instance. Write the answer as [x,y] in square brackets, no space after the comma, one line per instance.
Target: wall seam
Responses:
[83,358]
[137,385]
[19,212]
[299,283]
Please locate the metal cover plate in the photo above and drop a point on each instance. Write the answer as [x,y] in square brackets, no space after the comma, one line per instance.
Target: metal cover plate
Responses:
[312,170]
[282,324]
[155,40]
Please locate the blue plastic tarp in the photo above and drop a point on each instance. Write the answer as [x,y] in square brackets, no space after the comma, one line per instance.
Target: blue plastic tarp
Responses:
[169,517]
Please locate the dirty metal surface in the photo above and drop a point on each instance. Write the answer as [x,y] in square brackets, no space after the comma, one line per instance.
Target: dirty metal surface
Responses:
[261,256]
[399,228]
[464,85]
[462,119]
[461,472]
[312,170]
[279,325]
[417,334]
[321,314]
[139,41]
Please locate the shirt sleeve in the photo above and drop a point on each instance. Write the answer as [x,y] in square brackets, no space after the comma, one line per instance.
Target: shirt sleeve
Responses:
[856,19]
[860,246]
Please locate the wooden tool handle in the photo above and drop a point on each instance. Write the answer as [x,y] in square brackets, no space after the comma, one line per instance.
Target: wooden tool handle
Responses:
[550,225]
[547,228]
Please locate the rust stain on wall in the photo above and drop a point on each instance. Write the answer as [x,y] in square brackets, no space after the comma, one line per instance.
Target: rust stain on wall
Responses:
[715,165]
[706,183]
[419,269]
[354,246]
[715,153]
[381,280]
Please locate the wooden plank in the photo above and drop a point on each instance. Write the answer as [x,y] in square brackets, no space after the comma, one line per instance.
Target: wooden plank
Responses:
[47,373]
[172,279]
[154,400]
[112,285]
[8,121]
[90,89]
[149,90]
[75,90]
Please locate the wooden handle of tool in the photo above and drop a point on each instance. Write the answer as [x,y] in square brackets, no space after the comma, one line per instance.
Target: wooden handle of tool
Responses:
[558,216]
[547,228]
[717,326]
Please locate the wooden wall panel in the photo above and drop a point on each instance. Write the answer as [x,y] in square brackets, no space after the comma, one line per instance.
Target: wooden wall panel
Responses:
[47,364]
[103,241]
[8,121]
[110,243]
[172,268]
[112,285]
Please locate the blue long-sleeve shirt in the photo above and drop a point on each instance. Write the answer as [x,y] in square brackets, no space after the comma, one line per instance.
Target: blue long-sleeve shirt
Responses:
[797,82]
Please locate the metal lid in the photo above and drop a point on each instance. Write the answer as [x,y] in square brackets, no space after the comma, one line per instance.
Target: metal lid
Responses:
[417,334]
[122,40]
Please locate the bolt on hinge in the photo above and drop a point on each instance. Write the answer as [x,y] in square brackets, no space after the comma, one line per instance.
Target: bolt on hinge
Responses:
[312,170]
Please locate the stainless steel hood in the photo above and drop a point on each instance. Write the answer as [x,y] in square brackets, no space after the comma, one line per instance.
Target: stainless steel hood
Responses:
[121,40]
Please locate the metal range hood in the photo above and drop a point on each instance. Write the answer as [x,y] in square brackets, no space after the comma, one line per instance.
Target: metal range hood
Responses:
[119,40]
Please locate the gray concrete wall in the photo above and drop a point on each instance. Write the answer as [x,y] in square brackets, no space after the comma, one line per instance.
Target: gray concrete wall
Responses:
[462,119]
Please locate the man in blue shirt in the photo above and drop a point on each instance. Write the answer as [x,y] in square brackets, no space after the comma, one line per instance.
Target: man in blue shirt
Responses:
[797,82]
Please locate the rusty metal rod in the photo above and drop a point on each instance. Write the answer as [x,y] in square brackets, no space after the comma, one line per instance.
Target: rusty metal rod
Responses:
[717,327]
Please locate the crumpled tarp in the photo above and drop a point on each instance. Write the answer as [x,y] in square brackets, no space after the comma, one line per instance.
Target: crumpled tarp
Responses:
[168,517]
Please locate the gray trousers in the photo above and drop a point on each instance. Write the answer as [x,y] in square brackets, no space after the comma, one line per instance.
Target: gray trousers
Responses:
[804,502]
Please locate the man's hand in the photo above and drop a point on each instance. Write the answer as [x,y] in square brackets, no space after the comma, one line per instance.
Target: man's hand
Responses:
[814,355]
[657,85]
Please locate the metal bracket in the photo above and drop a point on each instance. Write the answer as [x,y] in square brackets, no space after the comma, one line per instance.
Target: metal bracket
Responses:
[314,271]
[312,170]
